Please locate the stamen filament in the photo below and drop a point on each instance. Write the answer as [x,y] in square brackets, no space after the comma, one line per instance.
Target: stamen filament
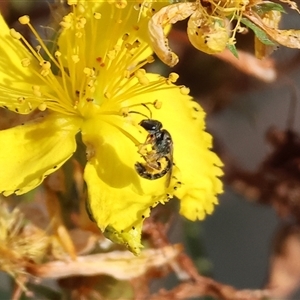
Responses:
[42,44]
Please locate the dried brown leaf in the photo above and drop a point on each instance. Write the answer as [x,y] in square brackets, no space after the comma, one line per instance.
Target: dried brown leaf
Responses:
[121,265]
[289,38]
[166,16]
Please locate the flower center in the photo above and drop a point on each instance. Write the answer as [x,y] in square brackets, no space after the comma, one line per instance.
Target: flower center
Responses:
[92,70]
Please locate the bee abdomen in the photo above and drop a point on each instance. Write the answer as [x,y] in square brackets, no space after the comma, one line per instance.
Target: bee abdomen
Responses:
[144,172]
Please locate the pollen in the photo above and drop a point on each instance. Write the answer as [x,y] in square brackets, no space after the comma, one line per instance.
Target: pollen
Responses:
[97,16]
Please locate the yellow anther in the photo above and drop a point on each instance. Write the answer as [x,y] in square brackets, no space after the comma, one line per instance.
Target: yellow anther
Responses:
[136,44]
[89,72]
[57,54]
[15,34]
[75,58]
[107,95]
[128,46]
[25,62]
[125,37]
[121,4]
[90,83]
[143,80]
[157,104]
[111,54]
[97,16]
[65,25]
[38,48]
[150,59]
[81,8]
[80,23]
[36,90]
[72,2]
[67,21]
[24,20]
[42,107]
[173,77]
[21,100]
[140,73]
[184,90]
[124,111]
[76,105]
[46,65]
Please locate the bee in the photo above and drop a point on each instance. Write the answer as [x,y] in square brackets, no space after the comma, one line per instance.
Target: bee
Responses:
[157,151]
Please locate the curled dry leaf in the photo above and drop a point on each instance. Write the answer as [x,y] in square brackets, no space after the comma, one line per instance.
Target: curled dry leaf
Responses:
[289,38]
[121,265]
[209,35]
[292,4]
[166,16]
[271,19]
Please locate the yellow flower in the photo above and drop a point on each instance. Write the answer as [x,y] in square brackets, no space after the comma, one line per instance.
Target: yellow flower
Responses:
[93,83]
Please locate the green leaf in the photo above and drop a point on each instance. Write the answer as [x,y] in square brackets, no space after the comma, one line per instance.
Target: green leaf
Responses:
[259,33]
[233,50]
[261,9]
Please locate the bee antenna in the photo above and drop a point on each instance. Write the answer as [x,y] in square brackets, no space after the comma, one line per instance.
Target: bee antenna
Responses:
[148,109]
[137,112]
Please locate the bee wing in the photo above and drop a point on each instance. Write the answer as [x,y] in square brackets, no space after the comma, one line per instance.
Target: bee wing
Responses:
[170,158]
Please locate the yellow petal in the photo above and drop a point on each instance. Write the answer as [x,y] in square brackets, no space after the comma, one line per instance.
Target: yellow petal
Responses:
[16,81]
[34,150]
[119,199]
[196,166]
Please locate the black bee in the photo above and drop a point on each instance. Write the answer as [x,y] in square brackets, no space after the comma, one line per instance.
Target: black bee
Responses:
[159,160]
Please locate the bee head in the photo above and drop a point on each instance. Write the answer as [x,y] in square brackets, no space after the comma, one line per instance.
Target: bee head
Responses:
[150,125]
